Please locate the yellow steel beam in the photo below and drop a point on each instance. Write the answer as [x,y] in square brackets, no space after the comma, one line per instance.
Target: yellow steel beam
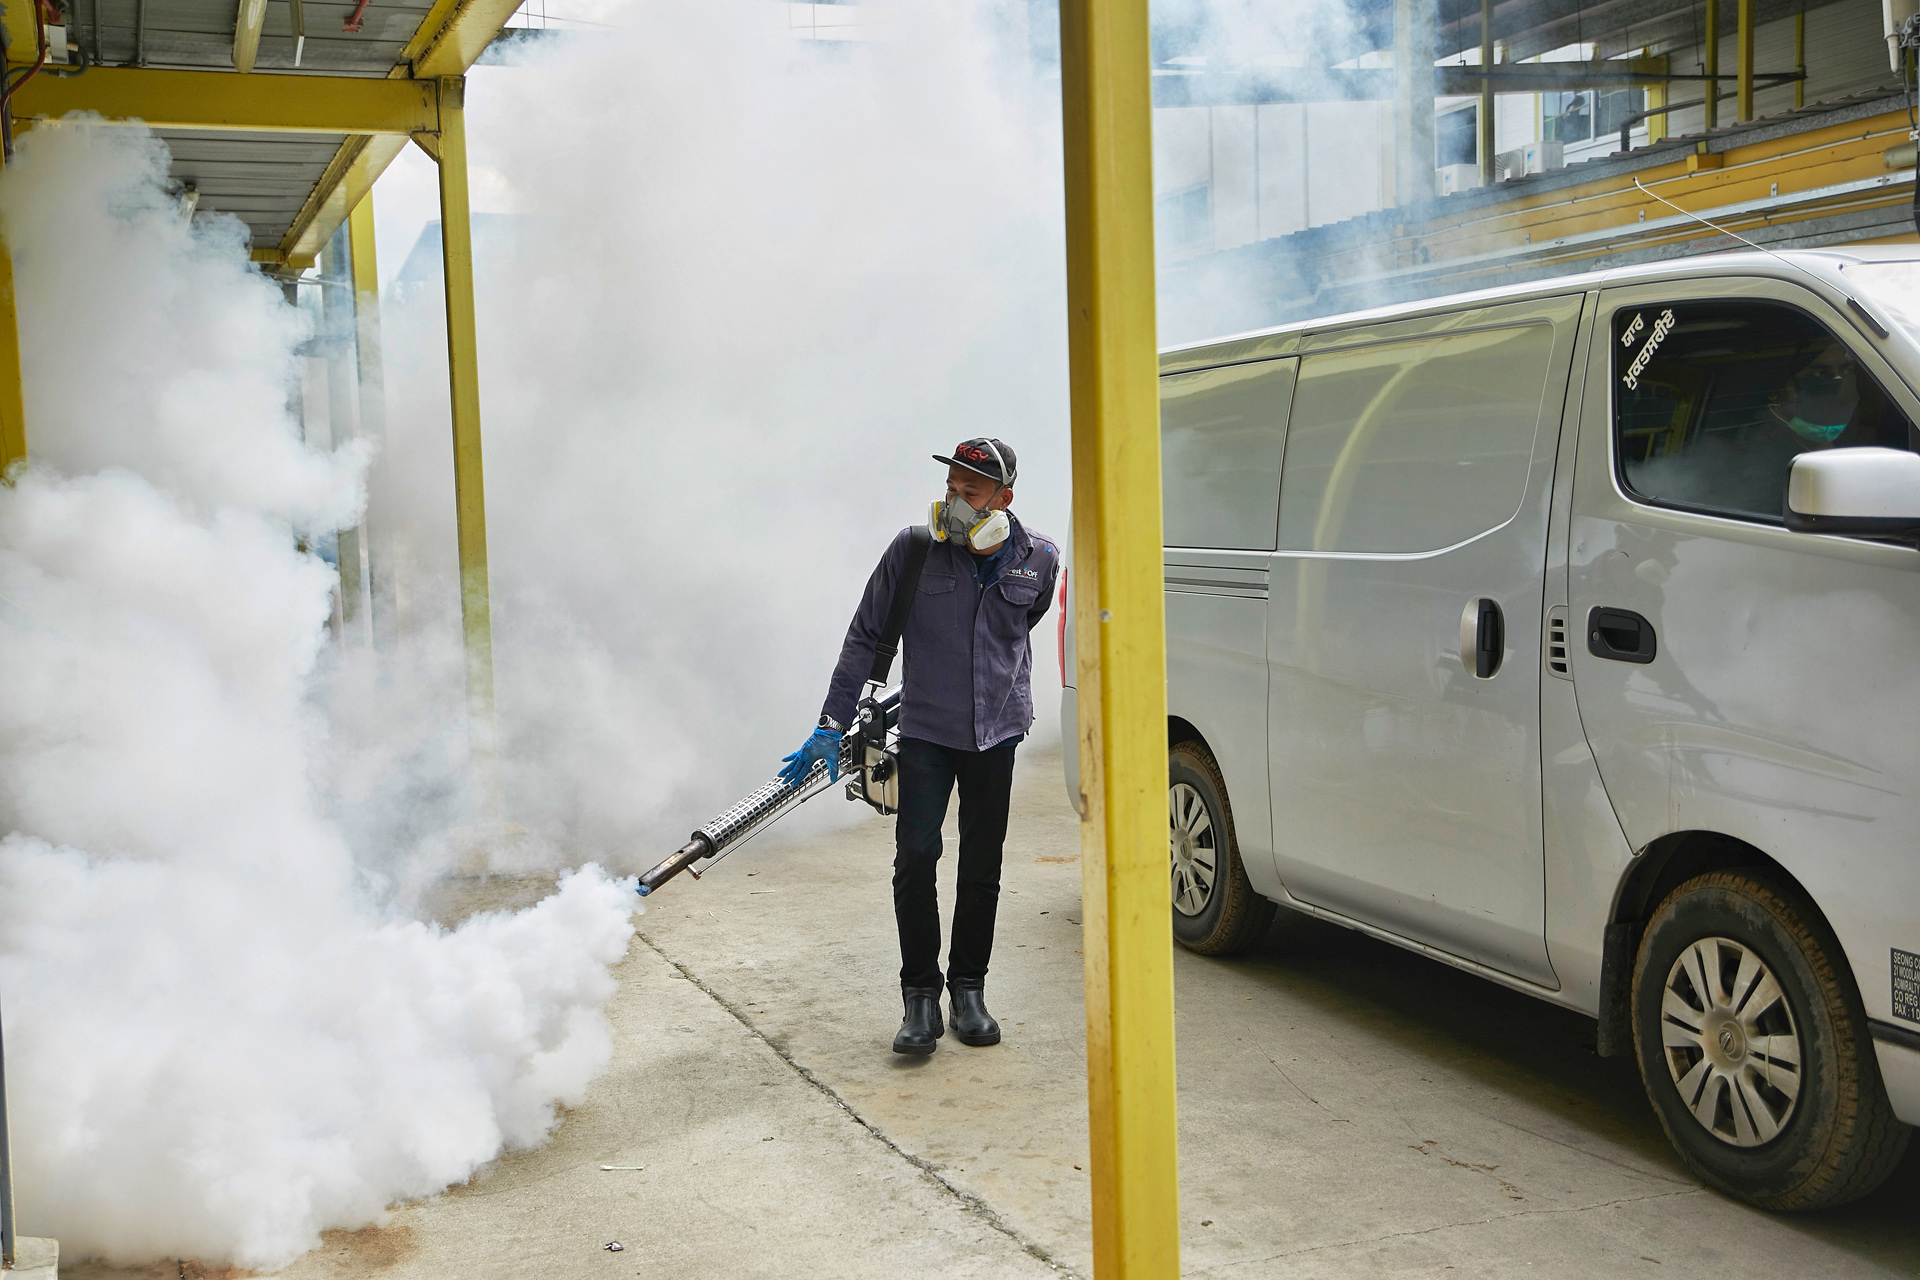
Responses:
[13,415]
[463,372]
[18,31]
[223,100]
[246,33]
[450,32]
[1106,103]
[1743,66]
[462,37]
[349,176]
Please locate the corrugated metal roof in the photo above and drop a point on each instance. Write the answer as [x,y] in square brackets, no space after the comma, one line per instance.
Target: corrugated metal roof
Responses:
[263,178]
[198,34]
[290,188]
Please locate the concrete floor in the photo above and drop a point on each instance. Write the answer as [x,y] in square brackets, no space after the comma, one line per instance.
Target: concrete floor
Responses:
[1347,1109]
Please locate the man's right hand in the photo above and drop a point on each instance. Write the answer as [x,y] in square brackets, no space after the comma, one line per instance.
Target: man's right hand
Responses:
[824,744]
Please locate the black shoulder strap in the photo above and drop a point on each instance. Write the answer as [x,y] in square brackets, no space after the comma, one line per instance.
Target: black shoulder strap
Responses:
[884,649]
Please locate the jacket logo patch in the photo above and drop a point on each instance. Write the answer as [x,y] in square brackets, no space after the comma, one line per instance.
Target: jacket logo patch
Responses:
[1028,574]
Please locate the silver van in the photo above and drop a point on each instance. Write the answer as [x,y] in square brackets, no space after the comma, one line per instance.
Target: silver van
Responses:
[1570,634]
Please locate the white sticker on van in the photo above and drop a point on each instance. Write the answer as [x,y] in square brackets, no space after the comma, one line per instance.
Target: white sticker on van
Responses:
[1633,330]
[1661,328]
[1906,985]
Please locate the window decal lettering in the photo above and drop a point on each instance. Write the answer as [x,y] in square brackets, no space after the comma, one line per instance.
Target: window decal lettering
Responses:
[1661,328]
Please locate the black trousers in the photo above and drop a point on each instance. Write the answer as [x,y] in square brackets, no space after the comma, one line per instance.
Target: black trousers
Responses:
[927,777]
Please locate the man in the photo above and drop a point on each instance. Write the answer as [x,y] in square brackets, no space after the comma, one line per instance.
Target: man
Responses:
[967,703]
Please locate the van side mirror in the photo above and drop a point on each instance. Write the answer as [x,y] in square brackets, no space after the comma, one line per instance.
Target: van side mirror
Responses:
[1869,491]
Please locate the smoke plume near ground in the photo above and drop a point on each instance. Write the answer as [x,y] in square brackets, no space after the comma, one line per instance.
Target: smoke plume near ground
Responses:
[220,1040]
[740,312]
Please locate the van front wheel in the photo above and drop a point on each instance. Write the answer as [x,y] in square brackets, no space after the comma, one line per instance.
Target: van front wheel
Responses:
[1215,910]
[1754,1048]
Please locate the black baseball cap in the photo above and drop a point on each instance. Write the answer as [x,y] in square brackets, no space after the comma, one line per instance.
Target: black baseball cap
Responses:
[990,458]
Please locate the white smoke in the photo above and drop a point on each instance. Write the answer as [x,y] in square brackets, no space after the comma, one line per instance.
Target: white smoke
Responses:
[220,1040]
[721,335]
[741,311]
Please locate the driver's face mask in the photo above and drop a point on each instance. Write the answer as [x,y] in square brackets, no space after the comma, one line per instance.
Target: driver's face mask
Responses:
[1820,404]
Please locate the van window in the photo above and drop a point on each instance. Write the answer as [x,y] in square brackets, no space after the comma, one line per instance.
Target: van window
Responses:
[1712,401]
[1220,438]
[1412,446]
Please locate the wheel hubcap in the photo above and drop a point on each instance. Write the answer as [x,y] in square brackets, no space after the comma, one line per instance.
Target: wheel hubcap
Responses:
[1195,852]
[1730,1042]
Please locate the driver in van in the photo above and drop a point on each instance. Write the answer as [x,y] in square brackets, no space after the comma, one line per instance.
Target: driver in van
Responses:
[967,701]
[1817,404]
[1812,396]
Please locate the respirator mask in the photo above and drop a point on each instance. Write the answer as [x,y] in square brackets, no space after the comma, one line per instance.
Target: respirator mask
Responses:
[953,520]
[1819,404]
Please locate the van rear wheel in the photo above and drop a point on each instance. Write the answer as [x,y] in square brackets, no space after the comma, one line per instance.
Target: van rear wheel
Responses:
[1754,1048]
[1215,910]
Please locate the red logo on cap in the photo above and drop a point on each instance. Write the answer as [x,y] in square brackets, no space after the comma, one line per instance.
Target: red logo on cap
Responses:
[974,453]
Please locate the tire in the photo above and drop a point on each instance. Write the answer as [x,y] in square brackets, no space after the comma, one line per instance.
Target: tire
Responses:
[1215,910]
[1766,1080]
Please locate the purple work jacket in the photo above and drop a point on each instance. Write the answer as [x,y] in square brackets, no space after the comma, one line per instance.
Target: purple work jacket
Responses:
[968,664]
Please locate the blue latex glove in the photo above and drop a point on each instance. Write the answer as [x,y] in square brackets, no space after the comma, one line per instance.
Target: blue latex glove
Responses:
[823,745]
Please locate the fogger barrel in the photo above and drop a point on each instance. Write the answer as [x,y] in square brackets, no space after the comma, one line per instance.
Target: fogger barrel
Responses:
[740,822]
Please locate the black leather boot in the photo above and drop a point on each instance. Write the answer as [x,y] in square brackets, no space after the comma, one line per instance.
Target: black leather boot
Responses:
[921,1028]
[971,1021]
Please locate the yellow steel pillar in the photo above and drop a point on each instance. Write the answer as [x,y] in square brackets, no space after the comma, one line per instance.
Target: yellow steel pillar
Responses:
[463,372]
[1710,58]
[1657,97]
[383,584]
[1800,59]
[1743,84]
[1120,619]
[13,414]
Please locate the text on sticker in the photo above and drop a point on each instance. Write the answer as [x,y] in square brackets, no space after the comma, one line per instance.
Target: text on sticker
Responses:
[1661,328]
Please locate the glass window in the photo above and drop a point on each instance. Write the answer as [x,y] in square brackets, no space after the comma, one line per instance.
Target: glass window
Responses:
[1588,113]
[1456,137]
[1617,106]
[1714,400]
[1568,117]
[1412,446]
[1220,437]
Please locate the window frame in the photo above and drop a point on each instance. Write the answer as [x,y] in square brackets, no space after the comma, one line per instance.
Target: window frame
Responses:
[1597,491]
[1604,324]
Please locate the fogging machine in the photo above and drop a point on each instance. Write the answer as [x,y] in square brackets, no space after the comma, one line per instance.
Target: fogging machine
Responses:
[869,752]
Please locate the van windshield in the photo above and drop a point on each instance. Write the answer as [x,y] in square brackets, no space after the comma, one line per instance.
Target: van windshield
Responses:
[1894,287]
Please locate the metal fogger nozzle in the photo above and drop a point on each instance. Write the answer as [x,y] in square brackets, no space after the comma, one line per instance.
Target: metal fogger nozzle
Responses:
[746,819]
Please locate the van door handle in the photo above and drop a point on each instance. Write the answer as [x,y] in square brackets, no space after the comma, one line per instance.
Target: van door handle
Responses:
[1483,637]
[1620,635]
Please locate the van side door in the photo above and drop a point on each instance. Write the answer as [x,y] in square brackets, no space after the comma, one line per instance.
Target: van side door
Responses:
[1734,677]
[1404,628]
[1221,431]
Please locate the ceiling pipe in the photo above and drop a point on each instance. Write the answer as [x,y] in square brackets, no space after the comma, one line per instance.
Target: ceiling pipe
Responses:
[246,33]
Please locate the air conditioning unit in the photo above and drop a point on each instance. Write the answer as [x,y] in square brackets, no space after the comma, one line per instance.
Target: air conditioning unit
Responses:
[1449,178]
[1534,157]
